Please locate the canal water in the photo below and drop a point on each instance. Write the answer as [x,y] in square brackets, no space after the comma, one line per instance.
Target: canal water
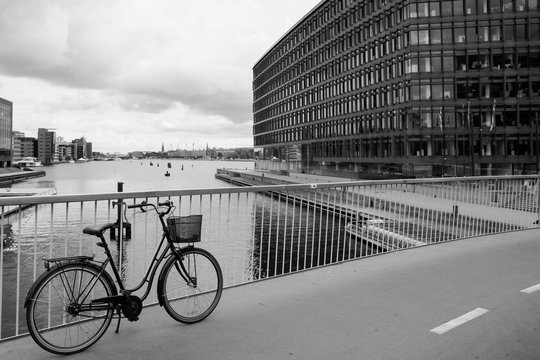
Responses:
[252,237]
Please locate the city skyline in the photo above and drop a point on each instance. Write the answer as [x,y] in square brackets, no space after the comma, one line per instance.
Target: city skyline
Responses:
[131,75]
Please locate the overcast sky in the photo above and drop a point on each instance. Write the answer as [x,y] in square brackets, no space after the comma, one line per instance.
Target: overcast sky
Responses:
[131,74]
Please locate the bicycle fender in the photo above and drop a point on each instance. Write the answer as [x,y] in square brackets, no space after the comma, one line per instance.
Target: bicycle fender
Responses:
[161,280]
[38,281]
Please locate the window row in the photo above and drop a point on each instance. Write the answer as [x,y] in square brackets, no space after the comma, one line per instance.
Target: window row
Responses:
[476,32]
[312,107]
[469,7]
[438,119]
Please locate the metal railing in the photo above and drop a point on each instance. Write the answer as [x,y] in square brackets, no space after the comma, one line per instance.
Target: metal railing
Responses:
[262,231]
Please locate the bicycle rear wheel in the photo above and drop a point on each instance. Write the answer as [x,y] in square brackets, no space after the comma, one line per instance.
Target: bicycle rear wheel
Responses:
[190,297]
[59,314]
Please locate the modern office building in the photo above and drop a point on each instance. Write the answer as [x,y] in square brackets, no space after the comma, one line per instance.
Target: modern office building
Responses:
[413,88]
[46,146]
[24,146]
[6,127]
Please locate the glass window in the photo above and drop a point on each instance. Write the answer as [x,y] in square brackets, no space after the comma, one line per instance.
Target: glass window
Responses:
[459,35]
[415,92]
[495,6]
[446,8]
[458,7]
[461,62]
[483,33]
[436,92]
[434,8]
[414,65]
[423,37]
[414,37]
[521,32]
[425,92]
[435,35]
[425,64]
[447,36]
[507,5]
[461,91]
[495,32]
[470,7]
[483,7]
[534,60]
[448,91]
[448,63]
[471,33]
[521,5]
[535,30]
[412,11]
[436,63]
[423,9]
[508,31]
[533,4]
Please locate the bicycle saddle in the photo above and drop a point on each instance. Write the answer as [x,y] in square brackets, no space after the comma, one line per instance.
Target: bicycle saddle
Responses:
[98,231]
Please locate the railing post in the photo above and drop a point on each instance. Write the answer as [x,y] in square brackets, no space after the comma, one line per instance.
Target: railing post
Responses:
[120,238]
[538,199]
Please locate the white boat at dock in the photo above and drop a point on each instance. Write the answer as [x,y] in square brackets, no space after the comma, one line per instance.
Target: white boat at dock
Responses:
[28,162]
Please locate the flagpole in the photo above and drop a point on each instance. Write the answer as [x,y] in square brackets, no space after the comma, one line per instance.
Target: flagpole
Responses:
[537,155]
[471,137]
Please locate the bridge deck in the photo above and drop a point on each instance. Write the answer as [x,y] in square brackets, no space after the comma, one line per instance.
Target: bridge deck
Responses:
[384,307]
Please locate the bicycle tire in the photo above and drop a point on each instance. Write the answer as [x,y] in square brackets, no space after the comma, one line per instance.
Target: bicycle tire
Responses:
[53,312]
[191,302]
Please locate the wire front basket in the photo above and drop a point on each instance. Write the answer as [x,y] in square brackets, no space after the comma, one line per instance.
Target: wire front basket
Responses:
[185,229]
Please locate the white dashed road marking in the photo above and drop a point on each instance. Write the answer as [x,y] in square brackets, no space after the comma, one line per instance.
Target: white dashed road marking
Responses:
[459,321]
[531,289]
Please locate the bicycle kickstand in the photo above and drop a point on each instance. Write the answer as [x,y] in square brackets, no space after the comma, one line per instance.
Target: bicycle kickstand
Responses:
[119,318]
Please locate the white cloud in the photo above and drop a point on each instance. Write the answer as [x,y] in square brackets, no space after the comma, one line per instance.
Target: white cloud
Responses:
[131,74]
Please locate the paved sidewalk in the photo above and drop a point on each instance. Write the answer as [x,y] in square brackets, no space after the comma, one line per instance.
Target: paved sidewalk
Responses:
[383,307]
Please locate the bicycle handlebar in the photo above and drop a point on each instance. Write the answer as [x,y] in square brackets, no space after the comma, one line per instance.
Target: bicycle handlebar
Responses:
[144,205]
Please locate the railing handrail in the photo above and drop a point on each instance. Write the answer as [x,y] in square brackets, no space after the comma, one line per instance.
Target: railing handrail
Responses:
[41,199]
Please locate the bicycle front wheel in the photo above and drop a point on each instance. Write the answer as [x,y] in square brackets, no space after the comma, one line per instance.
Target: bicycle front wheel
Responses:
[190,292]
[59,314]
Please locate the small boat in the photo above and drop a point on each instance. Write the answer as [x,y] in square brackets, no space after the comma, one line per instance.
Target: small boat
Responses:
[81,160]
[151,164]
[28,162]
[167,174]
[169,165]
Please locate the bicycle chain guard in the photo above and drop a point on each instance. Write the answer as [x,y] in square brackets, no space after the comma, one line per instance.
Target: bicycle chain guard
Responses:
[132,307]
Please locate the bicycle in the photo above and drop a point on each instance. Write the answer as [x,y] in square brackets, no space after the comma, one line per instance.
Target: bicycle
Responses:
[71,305]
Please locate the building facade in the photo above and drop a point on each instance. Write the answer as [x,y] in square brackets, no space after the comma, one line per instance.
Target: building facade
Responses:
[6,127]
[46,146]
[412,88]
[24,146]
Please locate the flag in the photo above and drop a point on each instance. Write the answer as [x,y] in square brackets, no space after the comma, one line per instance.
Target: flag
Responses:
[492,116]
[441,125]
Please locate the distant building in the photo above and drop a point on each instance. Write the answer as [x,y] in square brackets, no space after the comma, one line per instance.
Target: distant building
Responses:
[413,88]
[46,146]
[80,148]
[66,152]
[6,128]
[24,146]
[89,153]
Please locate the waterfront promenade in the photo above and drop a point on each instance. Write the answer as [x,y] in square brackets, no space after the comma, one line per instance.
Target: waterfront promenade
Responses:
[383,307]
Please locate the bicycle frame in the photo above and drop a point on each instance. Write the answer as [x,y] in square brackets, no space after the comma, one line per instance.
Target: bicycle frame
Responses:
[159,255]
